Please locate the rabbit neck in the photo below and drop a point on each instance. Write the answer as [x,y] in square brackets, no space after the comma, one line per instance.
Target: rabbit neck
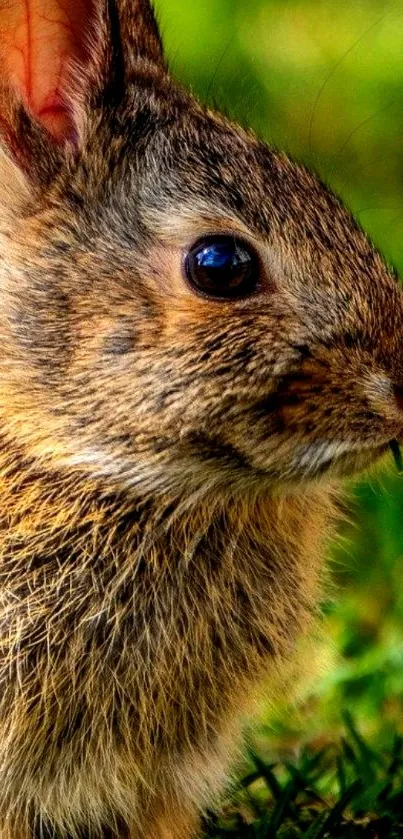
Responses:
[253,562]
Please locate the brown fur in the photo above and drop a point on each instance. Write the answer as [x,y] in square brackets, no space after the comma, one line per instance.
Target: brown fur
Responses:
[162,523]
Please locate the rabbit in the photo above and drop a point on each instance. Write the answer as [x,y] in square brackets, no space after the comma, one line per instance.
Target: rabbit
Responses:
[198,342]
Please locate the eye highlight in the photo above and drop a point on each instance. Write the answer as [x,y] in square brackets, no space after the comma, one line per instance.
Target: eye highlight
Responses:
[222,266]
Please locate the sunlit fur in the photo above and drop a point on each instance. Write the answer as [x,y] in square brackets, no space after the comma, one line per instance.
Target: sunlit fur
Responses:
[168,463]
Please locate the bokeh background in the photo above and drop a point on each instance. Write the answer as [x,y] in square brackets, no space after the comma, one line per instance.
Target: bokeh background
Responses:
[324,81]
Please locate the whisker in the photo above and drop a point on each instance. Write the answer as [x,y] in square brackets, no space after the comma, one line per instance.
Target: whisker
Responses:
[350,176]
[248,101]
[392,223]
[375,209]
[355,130]
[220,62]
[333,70]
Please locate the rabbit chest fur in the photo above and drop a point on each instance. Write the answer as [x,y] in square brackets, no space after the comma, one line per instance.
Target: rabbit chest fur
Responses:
[132,644]
[169,455]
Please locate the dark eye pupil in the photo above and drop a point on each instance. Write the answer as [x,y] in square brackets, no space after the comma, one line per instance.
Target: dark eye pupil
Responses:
[222,266]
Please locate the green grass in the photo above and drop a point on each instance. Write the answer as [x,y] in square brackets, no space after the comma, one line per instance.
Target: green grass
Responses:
[348,790]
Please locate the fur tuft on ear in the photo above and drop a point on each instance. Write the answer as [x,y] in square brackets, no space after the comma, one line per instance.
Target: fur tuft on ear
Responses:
[55,53]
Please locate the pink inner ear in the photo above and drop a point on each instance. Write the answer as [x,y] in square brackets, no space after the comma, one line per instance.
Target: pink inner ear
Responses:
[38,41]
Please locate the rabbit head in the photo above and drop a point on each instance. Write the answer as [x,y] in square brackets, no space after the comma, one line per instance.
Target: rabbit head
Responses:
[181,306]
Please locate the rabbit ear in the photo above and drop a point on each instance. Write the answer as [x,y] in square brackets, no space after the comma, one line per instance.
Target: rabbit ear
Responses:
[133,31]
[41,42]
[56,54]
[127,37]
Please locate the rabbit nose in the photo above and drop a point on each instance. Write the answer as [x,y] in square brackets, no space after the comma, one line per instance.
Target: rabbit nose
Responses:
[398,394]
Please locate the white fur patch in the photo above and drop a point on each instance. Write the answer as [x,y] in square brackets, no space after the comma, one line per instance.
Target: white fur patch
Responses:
[313,456]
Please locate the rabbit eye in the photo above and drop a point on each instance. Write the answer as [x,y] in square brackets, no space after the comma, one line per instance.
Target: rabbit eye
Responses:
[223,267]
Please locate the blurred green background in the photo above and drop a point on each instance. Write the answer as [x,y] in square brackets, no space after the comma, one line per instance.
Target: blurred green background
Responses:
[324,81]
